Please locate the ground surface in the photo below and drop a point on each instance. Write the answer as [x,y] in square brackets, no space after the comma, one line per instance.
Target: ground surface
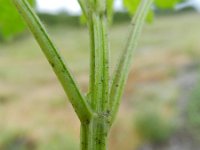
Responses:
[34,110]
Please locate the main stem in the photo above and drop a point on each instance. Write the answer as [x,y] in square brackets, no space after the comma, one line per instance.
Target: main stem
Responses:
[94,133]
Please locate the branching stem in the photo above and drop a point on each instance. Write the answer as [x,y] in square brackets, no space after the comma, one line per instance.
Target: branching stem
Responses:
[96,112]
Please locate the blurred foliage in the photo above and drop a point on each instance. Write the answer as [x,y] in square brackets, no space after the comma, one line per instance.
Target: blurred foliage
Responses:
[153,127]
[59,142]
[19,140]
[132,5]
[67,20]
[11,23]
[154,120]
[59,19]
[118,17]
[6,98]
[166,4]
[15,140]
[193,110]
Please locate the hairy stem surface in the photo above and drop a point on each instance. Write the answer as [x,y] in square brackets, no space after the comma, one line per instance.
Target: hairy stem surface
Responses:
[94,135]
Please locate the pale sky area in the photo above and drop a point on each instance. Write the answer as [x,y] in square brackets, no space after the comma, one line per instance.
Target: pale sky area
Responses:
[72,7]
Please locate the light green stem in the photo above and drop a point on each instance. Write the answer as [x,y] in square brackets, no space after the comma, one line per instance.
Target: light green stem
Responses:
[94,134]
[122,70]
[99,76]
[78,101]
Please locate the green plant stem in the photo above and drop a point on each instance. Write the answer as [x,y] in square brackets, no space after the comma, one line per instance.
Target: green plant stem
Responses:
[99,75]
[122,70]
[79,103]
[94,134]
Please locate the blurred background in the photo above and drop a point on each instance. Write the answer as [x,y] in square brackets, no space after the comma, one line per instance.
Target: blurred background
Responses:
[161,104]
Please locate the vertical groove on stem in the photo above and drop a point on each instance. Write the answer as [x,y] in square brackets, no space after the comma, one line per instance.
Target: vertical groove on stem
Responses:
[87,142]
[99,76]
[106,51]
[94,134]
[98,128]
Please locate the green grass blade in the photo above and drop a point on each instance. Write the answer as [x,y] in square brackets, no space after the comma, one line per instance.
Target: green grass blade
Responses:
[123,67]
[75,96]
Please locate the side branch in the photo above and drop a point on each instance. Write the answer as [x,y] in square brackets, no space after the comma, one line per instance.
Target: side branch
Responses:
[80,105]
[122,70]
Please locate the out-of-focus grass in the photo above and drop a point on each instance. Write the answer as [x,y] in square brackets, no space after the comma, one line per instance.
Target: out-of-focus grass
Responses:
[155,113]
[19,140]
[31,97]
[193,110]
[15,139]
